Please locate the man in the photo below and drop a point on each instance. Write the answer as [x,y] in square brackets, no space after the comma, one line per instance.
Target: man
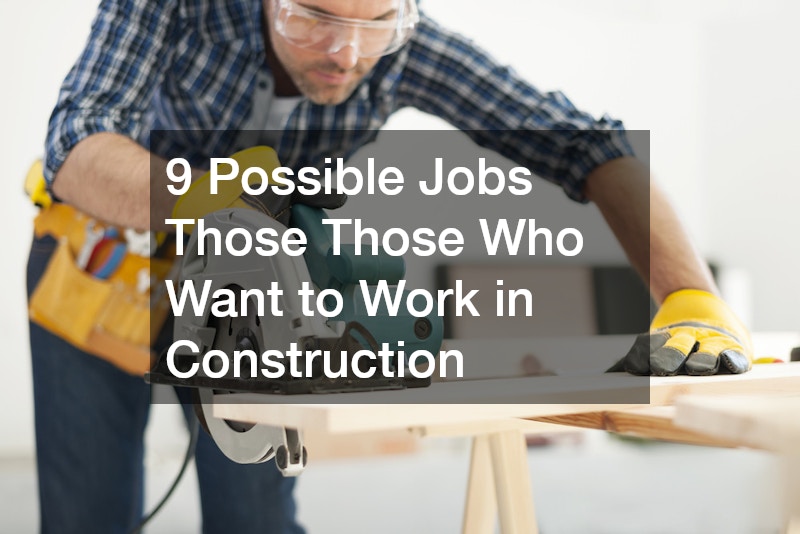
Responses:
[305,67]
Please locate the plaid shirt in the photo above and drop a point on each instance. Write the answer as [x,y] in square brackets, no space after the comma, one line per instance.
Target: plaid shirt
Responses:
[193,66]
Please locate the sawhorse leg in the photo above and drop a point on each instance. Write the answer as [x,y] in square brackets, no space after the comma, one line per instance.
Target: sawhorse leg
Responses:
[791,475]
[499,481]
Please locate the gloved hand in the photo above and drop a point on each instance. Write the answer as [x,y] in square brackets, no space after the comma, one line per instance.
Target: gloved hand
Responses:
[693,332]
[198,201]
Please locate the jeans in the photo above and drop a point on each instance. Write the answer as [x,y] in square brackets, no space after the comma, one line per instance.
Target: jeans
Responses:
[90,419]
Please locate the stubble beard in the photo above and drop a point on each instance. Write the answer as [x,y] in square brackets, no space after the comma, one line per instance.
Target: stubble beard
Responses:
[328,94]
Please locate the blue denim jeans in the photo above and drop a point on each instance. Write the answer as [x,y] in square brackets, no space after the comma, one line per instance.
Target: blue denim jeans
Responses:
[90,421]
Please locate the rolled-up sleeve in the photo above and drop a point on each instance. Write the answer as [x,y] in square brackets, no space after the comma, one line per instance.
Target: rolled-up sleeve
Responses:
[449,76]
[110,86]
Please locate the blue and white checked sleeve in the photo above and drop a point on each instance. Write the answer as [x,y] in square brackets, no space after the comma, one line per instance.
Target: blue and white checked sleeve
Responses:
[110,86]
[448,76]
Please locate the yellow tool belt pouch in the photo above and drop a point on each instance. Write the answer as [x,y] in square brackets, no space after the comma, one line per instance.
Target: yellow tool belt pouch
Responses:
[116,318]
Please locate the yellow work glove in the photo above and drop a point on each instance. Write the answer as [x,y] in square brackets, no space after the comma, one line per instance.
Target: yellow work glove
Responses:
[694,332]
[198,201]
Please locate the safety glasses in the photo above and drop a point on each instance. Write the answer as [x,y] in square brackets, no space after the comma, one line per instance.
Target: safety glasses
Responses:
[305,27]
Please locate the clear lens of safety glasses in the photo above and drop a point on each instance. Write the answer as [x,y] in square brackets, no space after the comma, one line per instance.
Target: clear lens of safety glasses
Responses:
[320,32]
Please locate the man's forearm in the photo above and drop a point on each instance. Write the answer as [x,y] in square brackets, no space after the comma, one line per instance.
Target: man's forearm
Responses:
[107,176]
[639,214]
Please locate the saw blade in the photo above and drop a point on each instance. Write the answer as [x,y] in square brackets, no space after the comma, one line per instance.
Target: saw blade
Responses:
[241,442]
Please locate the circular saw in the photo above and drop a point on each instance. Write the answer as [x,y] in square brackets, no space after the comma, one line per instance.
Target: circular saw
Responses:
[258,328]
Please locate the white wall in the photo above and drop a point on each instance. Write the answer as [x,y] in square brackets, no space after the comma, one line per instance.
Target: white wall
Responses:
[750,140]
[715,82]
[40,40]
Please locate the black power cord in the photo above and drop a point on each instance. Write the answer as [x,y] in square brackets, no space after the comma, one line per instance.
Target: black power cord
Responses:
[194,428]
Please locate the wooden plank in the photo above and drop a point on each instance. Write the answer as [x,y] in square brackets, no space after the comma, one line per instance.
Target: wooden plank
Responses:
[477,428]
[605,389]
[765,379]
[767,422]
[657,423]
[364,418]
[323,446]
[593,420]
[486,400]
[652,422]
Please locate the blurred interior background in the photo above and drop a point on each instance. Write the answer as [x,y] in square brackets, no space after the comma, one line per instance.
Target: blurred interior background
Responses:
[716,84]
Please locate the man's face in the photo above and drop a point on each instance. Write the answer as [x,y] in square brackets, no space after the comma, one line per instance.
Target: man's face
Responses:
[328,77]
